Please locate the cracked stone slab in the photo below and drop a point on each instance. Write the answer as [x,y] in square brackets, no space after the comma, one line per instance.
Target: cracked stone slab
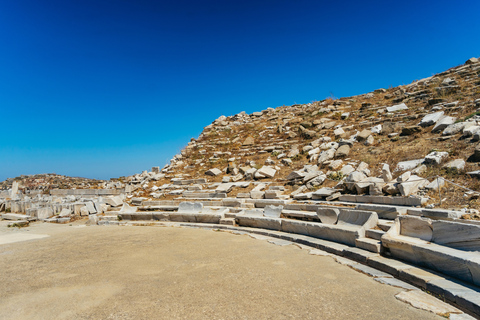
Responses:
[317,252]
[461,316]
[395,283]
[424,301]
[280,242]
[370,271]
[259,236]
[345,261]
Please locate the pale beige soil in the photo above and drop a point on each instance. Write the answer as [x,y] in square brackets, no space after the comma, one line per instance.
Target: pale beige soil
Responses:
[177,273]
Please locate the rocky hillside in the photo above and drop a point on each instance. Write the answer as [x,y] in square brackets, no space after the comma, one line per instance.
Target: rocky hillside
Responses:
[395,141]
[48,181]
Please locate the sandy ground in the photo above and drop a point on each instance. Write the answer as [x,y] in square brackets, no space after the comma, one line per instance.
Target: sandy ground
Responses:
[97,272]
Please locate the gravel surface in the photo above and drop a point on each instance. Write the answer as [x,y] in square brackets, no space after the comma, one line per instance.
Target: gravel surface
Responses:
[97,272]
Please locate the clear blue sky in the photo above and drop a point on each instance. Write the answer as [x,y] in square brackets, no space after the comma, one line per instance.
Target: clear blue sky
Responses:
[101,89]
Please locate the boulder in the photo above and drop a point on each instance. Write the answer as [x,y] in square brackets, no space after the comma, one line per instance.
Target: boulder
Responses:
[457,164]
[323,193]
[397,107]
[407,131]
[435,157]
[326,155]
[443,123]
[339,133]
[412,185]
[404,176]
[363,135]
[370,141]
[353,178]
[114,201]
[377,129]
[408,165]
[249,141]
[335,165]
[213,172]
[456,128]
[386,174]
[342,151]
[267,171]
[346,170]
[431,119]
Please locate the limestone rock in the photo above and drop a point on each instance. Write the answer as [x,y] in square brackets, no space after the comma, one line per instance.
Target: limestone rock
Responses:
[346,170]
[213,172]
[443,123]
[386,174]
[456,128]
[363,135]
[353,178]
[412,185]
[268,172]
[370,141]
[431,119]
[326,155]
[457,164]
[249,141]
[397,107]
[342,151]
[435,157]
[407,131]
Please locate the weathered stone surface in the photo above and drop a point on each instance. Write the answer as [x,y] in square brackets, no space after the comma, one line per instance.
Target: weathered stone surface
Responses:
[326,155]
[397,107]
[273,211]
[408,165]
[65,212]
[454,128]
[363,135]
[457,235]
[323,193]
[443,123]
[435,157]
[431,119]
[407,131]
[353,178]
[422,300]
[342,151]
[412,185]
[267,171]
[249,141]
[416,227]
[404,176]
[457,164]
[114,201]
[363,186]
[346,170]
[328,215]
[213,172]
[193,207]
[386,174]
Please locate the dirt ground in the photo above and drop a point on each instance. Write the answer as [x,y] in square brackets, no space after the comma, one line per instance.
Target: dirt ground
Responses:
[98,272]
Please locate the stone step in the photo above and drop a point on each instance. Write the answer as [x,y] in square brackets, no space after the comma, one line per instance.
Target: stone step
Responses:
[385,224]
[374,233]
[388,200]
[369,244]
[108,218]
[228,221]
[303,215]
[15,216]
